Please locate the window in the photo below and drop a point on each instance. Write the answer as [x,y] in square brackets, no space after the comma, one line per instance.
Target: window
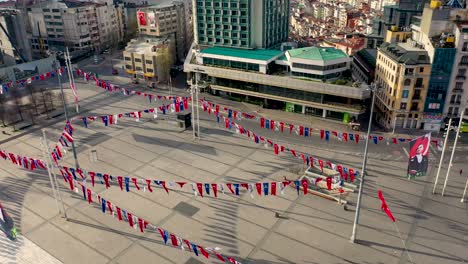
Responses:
[137,60]
[149,70]
[403,106]
[128,67]
[56,10]
[45,10]
[405,94]
[138,68]
[421,69]
[464,60]
[458,85]
[407,82]
[149,62]
[419,82]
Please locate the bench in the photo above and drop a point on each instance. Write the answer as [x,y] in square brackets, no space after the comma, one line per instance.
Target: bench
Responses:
[22,125]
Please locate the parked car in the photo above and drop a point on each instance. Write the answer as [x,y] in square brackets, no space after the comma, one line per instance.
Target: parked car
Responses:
[115,72]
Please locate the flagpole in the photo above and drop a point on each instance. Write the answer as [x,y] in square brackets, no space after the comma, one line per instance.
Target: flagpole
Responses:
[193,110]
[464,191]
[197,91]
[72,79]
[66,113]
[373,88]
[442,155]
[53,173]
[453,152]
[49,169]
[403,241]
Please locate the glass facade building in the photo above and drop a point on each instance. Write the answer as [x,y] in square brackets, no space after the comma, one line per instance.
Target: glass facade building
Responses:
[439,80]
[245,24]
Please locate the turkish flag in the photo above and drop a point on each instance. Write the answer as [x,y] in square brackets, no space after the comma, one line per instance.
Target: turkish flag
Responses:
[142,18]
[384,206]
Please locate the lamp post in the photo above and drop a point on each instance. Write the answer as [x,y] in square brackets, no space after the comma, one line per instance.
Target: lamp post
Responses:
[373,88]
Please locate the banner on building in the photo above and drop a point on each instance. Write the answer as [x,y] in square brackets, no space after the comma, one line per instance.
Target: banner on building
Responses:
[151,20]
[419,156]
[141,18]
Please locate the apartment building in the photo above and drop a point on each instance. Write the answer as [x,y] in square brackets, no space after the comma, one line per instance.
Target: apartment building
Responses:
[168,18]
[150,58]
[73,24]
[402,73]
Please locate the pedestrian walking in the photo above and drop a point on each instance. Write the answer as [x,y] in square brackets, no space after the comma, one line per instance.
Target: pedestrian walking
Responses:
[8,224]
[461,172]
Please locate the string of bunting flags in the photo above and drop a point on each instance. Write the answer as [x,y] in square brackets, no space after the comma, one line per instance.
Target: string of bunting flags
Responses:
[106,85]
[300,130]
[4,87]
[122,214]
[277,148]
[65,137]
[126,183]
[265,123]
[137,222]
[307,159]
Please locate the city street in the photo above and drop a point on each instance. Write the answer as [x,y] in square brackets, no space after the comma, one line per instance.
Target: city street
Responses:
[310,230]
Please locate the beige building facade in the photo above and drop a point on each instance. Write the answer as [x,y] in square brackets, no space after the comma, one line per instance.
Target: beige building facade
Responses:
[402,74]
[149,58]
[169,18]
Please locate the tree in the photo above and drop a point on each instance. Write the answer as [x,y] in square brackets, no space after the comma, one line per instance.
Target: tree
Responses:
[164,60]
[15,93]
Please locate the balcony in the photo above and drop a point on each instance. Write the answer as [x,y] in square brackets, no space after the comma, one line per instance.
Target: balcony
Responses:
[455,102]
[419,86]
[457,90]
[460,77]
[416,98]
[414,109]
[463,63]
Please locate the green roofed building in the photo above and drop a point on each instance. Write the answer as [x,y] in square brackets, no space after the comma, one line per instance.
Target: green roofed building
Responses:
[241,51]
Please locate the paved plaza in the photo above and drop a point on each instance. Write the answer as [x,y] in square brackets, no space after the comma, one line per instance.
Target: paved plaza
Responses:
[310,229]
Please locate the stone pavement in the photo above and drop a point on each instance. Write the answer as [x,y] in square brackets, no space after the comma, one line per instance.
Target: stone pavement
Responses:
[313,230]
[23,251]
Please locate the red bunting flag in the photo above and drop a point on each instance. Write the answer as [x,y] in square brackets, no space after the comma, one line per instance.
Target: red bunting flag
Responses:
[384,207]
[148,183]
[120,180]
[229,185]
[119,213]
[174,240]
[214,186]
[106,180]
[276,149]
[273,188]
[134,180]
[203,251]
[258,186]
[305,185]
[200,189]
[329,183]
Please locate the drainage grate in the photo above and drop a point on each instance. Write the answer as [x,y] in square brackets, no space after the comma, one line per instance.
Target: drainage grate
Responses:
[193,260]
[186,209]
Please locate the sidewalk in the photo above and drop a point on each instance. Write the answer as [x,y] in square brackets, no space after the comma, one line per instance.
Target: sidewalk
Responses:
[23,251]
